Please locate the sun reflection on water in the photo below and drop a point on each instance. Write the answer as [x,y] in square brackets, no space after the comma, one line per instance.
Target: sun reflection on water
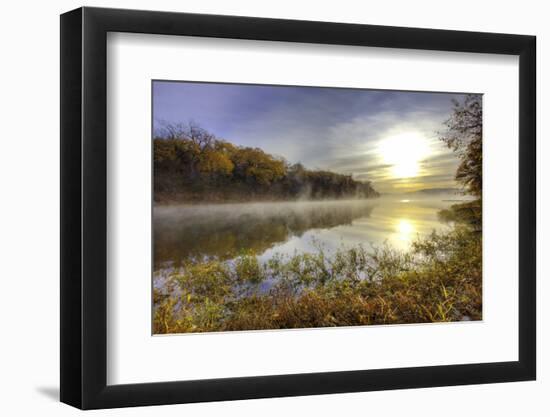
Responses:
[405,229]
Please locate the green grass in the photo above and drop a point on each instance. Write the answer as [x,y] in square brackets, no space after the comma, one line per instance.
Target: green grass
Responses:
[438,280]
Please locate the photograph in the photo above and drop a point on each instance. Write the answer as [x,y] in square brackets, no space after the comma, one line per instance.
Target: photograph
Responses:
[293,207]
[264,209]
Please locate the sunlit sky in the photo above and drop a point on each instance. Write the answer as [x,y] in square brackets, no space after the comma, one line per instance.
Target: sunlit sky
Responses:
[387,137]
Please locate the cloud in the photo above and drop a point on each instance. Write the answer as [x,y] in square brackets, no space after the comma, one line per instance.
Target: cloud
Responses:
[323,128]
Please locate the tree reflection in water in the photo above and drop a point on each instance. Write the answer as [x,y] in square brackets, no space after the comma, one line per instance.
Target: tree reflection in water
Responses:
[223,231]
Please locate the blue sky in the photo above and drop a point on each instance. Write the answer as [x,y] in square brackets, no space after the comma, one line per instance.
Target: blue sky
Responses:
[323,128]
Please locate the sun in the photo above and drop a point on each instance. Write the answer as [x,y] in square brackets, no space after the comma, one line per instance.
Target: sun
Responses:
[404,152]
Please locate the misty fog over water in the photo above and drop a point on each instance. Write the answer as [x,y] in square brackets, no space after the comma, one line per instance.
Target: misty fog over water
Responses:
[223,231]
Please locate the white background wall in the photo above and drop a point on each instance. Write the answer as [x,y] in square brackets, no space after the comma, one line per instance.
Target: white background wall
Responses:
[29,210]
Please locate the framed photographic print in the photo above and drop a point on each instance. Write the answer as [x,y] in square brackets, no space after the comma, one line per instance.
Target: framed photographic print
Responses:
[258,207]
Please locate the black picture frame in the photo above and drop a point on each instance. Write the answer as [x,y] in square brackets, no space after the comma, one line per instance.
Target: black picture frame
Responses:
[84,207]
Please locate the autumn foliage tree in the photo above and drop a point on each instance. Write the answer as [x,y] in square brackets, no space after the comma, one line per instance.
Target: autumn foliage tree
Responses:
[192,164]
[255,166]
[464,136]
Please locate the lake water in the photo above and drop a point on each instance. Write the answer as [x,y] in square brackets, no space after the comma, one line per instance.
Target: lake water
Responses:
[226,230]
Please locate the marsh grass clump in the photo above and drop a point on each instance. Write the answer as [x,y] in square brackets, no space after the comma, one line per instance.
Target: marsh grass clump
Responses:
[438,280]
[466,213]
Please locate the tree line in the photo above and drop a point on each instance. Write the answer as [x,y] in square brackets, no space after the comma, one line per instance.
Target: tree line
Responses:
[192,164]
